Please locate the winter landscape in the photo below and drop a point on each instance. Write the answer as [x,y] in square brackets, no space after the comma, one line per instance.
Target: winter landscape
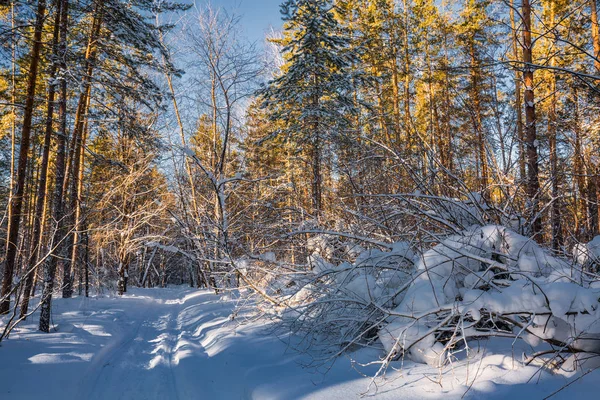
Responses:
[299,199]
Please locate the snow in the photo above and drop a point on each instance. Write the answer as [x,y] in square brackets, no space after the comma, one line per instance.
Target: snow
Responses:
[588,254]
[182,343]
[542,289]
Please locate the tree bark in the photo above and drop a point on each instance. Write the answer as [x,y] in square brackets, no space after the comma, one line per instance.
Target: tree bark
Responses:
[43,176]
[594,169]
[477,119]
[595,34]
[557,238]
[13,124]
[579,173]
[317,196]
[77,150]
[555,216]
[592,199]
[56,244]
[531,141]
[16,202]
[518,104]
[407,96]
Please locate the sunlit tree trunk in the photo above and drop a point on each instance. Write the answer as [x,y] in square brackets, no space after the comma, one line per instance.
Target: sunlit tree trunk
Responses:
[77,143]
[478,119]
[578,169]
[16,202]
[592,172]
[13,124]
[595,34]
[407,96]
[531,141]
[555,212]
[555,219]
[317,179]
[43,175]
[594,167]
[518,100]
[56,245]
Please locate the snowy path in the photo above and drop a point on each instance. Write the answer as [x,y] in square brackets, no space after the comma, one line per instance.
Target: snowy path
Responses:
[175,343]
[179,343]
[148,342]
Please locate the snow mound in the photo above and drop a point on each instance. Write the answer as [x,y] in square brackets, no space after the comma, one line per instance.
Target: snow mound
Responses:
[486,280]
[588,254]
[338,303]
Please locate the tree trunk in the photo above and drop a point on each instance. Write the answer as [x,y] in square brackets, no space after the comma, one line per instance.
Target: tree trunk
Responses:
[595,34]
[56,246]
[77,149]
[396,96]
[555,216]
[533,183]
[86,266]
[13,124]
[592,199]
[557,238]
[123,276]
[317,196]
[518,104]
[317,180]
[407,97]
[16,202]
[43,177]
[579,173]
[594,170]
[477,120]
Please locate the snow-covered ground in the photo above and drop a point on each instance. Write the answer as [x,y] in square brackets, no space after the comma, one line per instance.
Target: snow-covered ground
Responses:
[180,343]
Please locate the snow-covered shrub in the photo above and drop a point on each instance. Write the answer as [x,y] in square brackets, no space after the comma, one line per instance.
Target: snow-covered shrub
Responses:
[429,299]
[265,272]
[331,248]
[490,281]
[587,255]
[338,304]
[472,210]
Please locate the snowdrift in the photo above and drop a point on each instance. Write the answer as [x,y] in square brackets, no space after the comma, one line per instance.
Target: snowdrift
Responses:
[484,282]
[491,281]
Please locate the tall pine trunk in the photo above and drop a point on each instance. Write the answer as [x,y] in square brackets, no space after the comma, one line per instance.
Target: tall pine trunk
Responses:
[531,141]
[578,171]
[555,214]
[595,34]
[16,202]
[407,97]
[317,180]
[478,119]
[518,100]
[43,176]
[56,244]
[594,168]
[76,151]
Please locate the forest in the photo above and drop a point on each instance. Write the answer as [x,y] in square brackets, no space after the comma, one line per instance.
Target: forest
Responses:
[410,175]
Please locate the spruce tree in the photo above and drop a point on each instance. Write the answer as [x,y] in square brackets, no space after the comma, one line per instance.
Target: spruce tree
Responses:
[313,94]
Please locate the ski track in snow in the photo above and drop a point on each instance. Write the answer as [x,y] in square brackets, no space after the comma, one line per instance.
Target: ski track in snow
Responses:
[156,340]
[110,368]
[179,343]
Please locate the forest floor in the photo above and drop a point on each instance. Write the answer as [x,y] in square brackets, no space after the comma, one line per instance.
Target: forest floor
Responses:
[181,343]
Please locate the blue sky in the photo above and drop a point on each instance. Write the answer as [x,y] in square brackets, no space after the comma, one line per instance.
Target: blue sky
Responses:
[258,16]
